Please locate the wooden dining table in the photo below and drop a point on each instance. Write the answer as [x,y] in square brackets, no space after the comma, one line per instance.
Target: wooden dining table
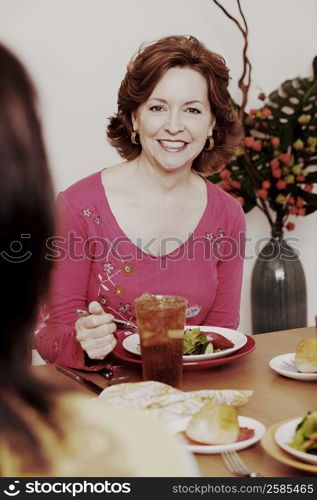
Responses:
[275,397]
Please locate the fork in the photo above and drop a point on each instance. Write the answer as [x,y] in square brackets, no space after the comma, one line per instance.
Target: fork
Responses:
[236,465]
[287,366]
[119,322]
[113,379]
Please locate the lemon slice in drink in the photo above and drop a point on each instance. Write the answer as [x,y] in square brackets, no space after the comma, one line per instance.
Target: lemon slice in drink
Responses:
[209,348]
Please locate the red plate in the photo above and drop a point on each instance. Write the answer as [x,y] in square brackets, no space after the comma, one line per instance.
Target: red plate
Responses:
[121,353]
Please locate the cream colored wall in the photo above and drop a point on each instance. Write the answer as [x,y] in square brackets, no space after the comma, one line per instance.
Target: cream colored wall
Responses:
[77,51]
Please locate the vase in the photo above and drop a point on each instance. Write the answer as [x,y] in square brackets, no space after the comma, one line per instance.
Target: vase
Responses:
[278,288]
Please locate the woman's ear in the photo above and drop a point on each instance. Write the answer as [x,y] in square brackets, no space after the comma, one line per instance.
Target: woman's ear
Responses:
[211,128]
[134,120]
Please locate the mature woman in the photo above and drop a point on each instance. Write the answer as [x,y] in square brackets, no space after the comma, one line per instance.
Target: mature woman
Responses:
[44,429]
[151,223]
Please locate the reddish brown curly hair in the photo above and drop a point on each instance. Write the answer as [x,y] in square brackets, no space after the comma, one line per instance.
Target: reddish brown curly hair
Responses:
[145,70]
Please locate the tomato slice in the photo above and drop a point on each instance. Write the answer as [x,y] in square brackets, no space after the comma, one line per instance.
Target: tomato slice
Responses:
[245,433]
[218,341]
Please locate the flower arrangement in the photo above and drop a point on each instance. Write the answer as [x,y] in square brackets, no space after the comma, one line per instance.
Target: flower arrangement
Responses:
[276,166]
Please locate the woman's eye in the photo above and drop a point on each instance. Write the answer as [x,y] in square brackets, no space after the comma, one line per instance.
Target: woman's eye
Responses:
[157,107]
[195,111]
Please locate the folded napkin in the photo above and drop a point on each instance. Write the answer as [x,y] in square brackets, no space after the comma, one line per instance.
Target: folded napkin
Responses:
[166,402]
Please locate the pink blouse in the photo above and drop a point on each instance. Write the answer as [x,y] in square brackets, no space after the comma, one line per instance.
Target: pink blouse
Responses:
[97,261]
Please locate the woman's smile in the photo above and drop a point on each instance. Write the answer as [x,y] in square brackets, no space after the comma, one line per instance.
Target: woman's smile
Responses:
[172,146]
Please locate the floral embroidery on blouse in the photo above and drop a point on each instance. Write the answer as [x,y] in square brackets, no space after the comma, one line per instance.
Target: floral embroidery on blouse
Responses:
[127,269]
[119,291]
[86,212]
[193,311]
[211,236]
[125,308]
[108,283]
[103,300]
[97,219]
[102,284]
[220,234]
[108,267]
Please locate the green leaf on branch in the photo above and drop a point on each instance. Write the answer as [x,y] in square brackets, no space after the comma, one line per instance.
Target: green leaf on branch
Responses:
[280,145]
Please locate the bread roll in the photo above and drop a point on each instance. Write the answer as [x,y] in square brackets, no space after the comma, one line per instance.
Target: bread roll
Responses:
[306,355]
[214,423]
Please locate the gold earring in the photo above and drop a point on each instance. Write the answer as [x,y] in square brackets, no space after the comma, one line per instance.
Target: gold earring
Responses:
[134,138]
[211,144]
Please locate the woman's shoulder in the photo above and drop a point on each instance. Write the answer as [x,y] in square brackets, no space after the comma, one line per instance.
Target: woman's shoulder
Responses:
[85,189]
[224,209]
[90,189]
[132,434]
[223,199]
[223,204]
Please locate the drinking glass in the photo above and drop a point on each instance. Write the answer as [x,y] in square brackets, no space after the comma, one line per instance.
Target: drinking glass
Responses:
[161,323]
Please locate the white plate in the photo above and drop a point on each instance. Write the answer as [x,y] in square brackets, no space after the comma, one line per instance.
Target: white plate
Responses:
[284,435]
[285,365]
[212,449]
[132,343]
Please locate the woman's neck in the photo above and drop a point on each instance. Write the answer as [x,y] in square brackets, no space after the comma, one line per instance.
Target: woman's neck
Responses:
[162,180]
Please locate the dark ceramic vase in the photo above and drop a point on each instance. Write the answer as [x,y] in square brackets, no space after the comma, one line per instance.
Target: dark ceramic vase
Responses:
[278,290]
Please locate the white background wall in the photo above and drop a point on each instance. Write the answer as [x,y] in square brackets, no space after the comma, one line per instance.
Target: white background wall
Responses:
[77,52]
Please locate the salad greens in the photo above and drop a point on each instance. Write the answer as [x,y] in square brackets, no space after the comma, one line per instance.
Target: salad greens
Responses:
[305,438]
[194,342]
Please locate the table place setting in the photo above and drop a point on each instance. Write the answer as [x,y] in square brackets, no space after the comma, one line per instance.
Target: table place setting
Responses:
[285,365]
[128,349]
[205,421]
[298,365]
[293,441]
[285,436]
[175,405]
[175,409]
[235,464]
[251,432]
[169,403]
[217,335]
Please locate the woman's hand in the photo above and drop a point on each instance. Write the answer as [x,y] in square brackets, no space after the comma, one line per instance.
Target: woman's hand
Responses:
[95,332]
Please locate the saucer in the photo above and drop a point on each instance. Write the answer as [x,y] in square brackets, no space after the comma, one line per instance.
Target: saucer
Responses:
[269,444]
[285,365]
[180,426]
[283,436]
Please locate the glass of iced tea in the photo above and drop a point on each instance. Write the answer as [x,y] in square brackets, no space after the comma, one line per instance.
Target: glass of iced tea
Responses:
[161,323]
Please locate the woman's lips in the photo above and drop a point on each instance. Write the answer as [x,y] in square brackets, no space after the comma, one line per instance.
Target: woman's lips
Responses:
[172,146]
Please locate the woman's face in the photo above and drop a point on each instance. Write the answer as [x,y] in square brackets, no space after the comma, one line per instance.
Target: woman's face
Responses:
[175,121]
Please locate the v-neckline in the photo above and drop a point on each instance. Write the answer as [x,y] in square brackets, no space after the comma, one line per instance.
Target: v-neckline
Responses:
[120,231]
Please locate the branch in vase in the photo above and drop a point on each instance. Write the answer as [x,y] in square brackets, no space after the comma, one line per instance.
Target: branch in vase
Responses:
[247,67]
